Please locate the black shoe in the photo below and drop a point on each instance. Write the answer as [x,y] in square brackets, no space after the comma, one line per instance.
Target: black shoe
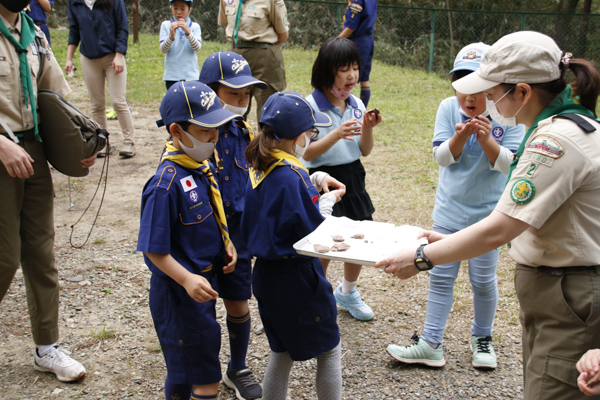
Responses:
[244,383]
[128,151]
[102,153]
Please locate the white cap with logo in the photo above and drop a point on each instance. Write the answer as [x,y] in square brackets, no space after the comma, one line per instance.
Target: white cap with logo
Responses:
[520,57]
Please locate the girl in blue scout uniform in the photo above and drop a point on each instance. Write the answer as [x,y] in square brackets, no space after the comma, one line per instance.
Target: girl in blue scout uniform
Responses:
[474,154]
[229,75]
[37,10]
[358,27]
[338,148]
[180,40]
[294,298]
[184,237]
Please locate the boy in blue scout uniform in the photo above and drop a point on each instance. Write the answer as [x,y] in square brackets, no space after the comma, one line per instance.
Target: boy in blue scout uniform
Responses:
[37,10]
[184,237]
[295,300]
[358,27]
[229,75]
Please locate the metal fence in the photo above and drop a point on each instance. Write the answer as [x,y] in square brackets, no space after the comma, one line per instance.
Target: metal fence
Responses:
[420,38]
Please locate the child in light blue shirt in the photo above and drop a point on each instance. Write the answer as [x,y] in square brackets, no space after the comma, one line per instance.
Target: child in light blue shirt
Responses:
[180,40]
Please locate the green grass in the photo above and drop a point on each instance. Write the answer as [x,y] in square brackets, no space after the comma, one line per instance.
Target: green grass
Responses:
[102,334]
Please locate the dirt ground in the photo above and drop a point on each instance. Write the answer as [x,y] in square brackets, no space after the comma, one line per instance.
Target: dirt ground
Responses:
[105,319]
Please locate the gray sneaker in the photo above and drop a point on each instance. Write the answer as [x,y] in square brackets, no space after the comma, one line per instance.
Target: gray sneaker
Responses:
[483,352]
[420,352]
[244,383]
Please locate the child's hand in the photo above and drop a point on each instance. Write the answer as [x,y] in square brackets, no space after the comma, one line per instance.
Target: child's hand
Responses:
[331,181]
[198,288]
[589,362]
[173,29]
[185,27]
[465,130]
[371,118]
[484,127]
[431,236]
[338,193]
[347,129]
[230,258]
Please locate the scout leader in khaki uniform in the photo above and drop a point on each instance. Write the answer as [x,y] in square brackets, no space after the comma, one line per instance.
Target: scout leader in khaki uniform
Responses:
[26,194]
[256,30]
[549,210]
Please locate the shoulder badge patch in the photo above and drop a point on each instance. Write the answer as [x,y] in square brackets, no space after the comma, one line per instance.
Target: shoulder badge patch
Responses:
[356,8]
[279,2]
[285,21]
[497,132]
[522,191]
[547,146]
[358,114]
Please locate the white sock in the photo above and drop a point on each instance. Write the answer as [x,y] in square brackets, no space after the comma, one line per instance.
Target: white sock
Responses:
[42,350]
[347,287]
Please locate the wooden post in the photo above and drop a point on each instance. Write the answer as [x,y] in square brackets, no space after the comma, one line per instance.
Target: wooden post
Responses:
[136,24]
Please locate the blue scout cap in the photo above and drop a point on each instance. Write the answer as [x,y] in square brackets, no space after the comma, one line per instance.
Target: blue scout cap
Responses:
[185,1]
[195,103]
[470,57]
[289,114]
[229,69]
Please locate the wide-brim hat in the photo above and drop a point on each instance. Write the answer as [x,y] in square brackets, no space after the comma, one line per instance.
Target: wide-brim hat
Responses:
[230,69]
[195,103]
[520,57]
[469,57]
[289,115]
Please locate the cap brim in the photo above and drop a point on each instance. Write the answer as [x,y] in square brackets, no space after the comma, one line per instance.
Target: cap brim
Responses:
[215,118]
[322,119]
[473,83]
[243,81]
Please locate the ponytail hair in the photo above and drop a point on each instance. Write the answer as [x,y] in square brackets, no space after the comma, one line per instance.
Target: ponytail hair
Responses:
[258,152]
[104,5]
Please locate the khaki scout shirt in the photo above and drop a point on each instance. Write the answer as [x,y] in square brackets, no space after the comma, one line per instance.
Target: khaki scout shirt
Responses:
[261,20]
[13,111]
[557,190]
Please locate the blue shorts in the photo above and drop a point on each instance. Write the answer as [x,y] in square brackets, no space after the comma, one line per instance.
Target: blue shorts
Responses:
[236,286]
[188,332]
[296,306]
[366,46]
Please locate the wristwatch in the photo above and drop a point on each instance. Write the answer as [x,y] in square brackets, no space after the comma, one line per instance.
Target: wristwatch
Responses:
[421,262]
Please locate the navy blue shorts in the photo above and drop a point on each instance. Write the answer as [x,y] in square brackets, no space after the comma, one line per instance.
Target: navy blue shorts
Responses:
[366,47]
[296,306]
[237,285]
[188,332]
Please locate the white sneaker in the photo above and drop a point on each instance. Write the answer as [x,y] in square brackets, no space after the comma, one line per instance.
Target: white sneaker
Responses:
[60,364]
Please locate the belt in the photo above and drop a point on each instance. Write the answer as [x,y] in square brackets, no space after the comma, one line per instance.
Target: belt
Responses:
[244,44]
[40,22]
[560,271]
[29,134]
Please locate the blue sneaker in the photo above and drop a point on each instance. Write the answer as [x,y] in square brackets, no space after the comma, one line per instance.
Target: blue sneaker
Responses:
[354,304]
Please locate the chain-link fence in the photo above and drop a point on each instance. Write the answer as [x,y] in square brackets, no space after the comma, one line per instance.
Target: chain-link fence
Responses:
[420,38]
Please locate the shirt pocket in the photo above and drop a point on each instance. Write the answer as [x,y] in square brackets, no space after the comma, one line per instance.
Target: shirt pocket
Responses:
[200,233]
[6,81]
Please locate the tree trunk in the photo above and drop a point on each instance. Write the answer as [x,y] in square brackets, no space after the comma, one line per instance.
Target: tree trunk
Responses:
[587,8]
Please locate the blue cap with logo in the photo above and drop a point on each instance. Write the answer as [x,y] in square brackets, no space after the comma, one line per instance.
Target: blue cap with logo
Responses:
[469,57]
[195,103]
[229,69]
[289,114]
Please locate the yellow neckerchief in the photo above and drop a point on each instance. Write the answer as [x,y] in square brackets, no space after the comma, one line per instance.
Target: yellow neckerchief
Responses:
[281,158]
[179,157]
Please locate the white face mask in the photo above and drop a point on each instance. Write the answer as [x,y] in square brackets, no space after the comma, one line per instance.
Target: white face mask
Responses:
[235,110]
[201,151]
[496,116]
[299,151]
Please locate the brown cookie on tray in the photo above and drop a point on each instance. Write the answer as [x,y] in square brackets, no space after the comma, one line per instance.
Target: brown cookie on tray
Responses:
[358,236]
[319,248]
[340,247]
[337,238]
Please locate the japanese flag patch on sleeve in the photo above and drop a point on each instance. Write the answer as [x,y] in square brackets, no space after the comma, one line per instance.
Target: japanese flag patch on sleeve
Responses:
[188,183]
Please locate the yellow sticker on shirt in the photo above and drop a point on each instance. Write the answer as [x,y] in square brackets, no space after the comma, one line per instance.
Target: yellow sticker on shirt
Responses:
[546,146]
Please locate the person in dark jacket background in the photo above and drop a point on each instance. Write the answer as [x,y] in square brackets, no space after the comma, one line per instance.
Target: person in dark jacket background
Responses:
[101,28]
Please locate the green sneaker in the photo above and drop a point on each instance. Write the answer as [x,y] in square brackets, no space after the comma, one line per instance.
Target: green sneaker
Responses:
[111,114]
[483,352]
[420,352]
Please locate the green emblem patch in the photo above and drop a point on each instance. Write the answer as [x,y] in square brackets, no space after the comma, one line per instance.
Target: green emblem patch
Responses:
[522,191]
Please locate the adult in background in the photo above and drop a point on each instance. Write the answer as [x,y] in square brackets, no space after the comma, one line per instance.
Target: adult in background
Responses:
[257,29]
[27,194]
[37,9]
[101,27]
[358,27]
[549,209]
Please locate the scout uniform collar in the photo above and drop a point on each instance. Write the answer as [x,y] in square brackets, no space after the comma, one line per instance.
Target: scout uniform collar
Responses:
[564,103]
[27,37]
[281,158]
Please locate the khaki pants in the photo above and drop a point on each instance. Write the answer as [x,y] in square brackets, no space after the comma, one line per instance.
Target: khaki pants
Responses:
[27,238]
[560,316]
[266,65]
[94,71]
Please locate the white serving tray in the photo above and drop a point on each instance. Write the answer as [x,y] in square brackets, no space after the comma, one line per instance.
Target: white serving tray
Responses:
[382,239]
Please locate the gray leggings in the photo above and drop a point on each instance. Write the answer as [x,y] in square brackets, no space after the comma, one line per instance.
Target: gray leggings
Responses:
[329,375]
